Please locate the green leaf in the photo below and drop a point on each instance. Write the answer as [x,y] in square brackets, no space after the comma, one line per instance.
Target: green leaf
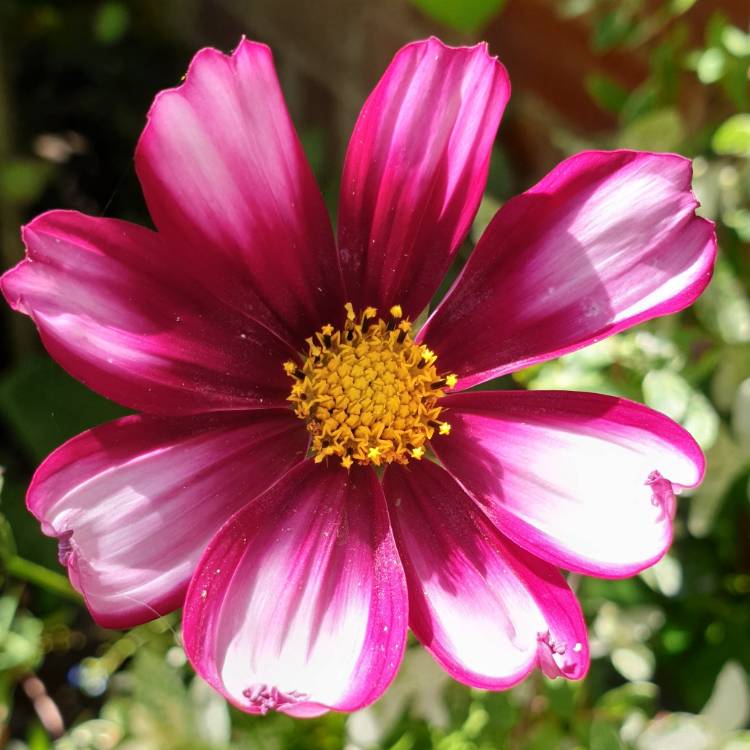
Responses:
[21,643]
[467,15]
[739,220]
[37,738]
[606,93]
[670,393]
[710,65]
[7,540]
[678,7]
[314,146]
[728,708]
[724,308]
[725,461]
[23,180]
[574,8]
[678,731]
[604,737]
[45,406]
[488,207]
[618,703]
[738,742]
[111,22]
[660,130]
[667,392]
[41,576]
[732,137]
[736,41]
[612,30]
[741,414]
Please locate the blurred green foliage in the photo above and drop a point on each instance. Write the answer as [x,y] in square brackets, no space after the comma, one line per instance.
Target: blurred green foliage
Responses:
[468,16]
[671,648]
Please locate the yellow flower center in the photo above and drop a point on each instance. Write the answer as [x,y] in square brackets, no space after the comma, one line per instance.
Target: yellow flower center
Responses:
[368,392]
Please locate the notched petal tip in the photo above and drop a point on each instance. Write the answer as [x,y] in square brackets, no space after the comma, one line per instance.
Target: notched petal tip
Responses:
[481,48]
[424,138]
[332,637]
[625,221]
[557,659]
[244,46]
[434,40]
[9,289]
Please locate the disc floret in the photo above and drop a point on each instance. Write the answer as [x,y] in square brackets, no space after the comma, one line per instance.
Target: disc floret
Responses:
[368,392]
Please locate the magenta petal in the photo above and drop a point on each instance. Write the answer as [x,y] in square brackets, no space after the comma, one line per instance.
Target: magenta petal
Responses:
[582,480]
[487,611]
[135,502]
[224,176]
[605,241]
[299,604]
[415,171]
[116,311]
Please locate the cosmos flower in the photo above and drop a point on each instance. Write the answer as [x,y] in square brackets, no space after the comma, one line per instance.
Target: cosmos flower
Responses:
[308,474]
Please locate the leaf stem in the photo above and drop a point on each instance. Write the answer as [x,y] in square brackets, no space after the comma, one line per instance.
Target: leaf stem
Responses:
[32,572]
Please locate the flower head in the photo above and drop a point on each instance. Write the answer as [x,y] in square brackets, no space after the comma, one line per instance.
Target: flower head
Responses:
[309,474]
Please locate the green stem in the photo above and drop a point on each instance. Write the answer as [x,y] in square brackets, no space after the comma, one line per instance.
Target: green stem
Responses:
[49,580]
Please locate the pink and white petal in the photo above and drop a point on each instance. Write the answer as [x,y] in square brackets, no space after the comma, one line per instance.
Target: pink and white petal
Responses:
[584,481]
[605,241]
[134,502]
[225,178]
[415,171]
[299,603]
[116,311]
[488,611]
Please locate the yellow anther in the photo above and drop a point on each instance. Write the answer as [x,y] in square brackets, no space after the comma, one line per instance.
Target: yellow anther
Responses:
[451,380]
[368,393]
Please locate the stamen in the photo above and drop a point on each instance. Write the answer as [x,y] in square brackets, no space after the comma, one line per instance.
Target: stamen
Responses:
[396,314]
[662,493]
[366,393]
[368,317]
[268,698]
[65,547]
[547,649]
